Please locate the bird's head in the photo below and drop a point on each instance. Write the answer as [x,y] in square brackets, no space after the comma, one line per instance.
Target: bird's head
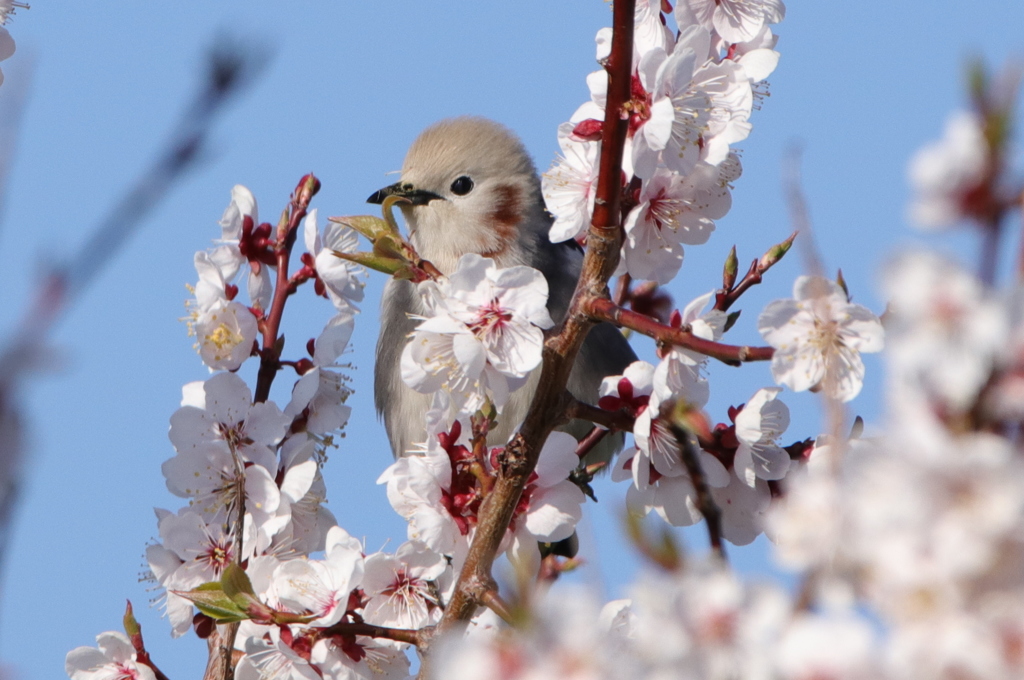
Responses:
[472,189]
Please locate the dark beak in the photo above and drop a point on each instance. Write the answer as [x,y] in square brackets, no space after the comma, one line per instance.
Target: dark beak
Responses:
[405,190]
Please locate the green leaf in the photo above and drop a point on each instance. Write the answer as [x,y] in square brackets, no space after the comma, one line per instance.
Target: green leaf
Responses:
[211,600]
[388,265]
[236,584]
[369,226]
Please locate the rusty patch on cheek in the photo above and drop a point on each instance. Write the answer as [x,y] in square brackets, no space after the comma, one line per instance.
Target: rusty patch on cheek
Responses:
[507,211]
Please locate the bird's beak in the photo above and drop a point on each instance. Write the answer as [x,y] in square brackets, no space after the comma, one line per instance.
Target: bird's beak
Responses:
[405,190]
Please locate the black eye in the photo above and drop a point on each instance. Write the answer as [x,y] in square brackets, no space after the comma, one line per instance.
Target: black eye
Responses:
[462,186]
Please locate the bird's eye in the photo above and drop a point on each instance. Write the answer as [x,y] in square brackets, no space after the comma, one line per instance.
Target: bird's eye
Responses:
[462,186]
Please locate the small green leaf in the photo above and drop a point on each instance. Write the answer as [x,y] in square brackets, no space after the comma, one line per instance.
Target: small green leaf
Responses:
[369,226]
[378,263]
[389,245]
[211,600]
[234,582]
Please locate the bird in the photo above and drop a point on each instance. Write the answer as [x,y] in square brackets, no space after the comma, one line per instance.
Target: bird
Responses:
[473,188]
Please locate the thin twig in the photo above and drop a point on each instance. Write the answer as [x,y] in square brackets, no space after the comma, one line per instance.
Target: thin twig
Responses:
[408,636]
[603,309]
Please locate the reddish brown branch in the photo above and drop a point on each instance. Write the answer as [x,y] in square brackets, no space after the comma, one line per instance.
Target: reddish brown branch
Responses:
[549,404]
[603,309]
[286,234]
[725,299]
[593,438]
[412,637]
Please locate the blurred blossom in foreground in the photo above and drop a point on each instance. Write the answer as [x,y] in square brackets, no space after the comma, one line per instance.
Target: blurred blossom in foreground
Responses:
[946,175]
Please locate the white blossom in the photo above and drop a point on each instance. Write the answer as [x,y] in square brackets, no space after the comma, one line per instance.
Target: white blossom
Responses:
[945,173]
[484,333]
[115,659]
[818,338]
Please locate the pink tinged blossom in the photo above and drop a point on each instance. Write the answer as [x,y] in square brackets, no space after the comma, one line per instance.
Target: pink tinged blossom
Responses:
[341,279]
[321,587]
[221,409]
[665,219]
[320,395]
[555,505]
[630,391]
[570,186]
[359,658]
[946,175]
[818,338]
[225,330]
[304,493]
[232,256]
[114,659]
[401,589]
[649,29]
[758,426]
[484,333]
[273,659]
[946,332]
[191,553]
[736,21]
[419,489]
[743,509]
[211,477]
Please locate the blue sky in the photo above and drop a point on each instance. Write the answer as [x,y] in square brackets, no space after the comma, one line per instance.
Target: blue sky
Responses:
[349,85]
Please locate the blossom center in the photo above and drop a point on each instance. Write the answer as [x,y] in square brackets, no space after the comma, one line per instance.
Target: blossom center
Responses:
[491,320]
[222,337]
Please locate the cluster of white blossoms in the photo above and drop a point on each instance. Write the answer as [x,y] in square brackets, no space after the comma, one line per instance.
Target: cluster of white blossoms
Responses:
[251,473]
[482,335]
[480,341]
[926,521]
[691,98]
[698,623]
[737,461]
[439,493]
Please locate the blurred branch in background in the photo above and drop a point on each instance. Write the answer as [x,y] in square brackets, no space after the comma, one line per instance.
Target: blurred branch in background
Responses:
[230,68]
[13,98]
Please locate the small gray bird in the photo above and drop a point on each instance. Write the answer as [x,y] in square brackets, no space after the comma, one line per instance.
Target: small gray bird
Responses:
[474,189]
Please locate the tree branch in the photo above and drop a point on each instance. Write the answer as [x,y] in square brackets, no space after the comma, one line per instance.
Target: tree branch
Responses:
[603,309]
[412,637]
